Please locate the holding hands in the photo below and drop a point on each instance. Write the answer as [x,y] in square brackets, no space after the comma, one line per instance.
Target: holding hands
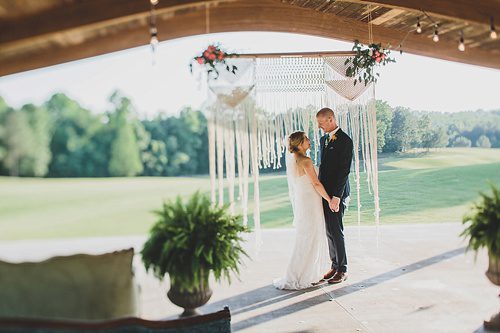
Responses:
[334,204]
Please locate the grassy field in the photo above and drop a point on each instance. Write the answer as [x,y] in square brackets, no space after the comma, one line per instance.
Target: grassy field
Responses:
[435,186]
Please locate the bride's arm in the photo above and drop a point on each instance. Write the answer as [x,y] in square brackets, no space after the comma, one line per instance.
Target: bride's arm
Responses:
[313,177]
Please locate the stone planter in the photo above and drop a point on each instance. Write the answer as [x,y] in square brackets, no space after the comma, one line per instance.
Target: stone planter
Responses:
[189,300]
[493,274]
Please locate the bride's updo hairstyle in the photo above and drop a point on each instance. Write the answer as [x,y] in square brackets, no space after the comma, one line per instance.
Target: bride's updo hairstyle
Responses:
[295,140]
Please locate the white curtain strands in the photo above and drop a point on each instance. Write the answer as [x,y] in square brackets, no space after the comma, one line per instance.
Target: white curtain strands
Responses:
[219,136]
[229,153]
[251,113]
[211,152]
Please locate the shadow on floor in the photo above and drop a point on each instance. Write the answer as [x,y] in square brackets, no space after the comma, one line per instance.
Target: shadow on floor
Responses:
[268,295]
[254,299]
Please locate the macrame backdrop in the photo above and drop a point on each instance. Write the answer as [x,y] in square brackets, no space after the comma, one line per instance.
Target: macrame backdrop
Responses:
[250,115]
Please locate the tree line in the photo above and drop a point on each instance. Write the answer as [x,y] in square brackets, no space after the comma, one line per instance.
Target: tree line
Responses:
[400,129]
[60,138]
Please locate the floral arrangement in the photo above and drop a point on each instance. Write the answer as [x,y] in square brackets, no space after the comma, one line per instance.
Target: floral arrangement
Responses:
[212,56]
[364,62]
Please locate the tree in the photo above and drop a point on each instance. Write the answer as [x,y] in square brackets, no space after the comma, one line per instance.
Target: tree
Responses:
[403,131]
[155,158]
[384,122]
[435,138]
[40,155]
[483,142]
[18,140]
[462,141]
[125,159]
[185,139]
[80,141]
[4,110]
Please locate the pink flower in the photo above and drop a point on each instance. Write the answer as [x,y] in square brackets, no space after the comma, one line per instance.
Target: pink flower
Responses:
[211,56]
[378,59]
[383,56]
[200,60]
[211,48]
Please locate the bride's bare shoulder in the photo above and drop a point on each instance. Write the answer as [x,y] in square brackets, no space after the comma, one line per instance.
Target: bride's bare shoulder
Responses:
[304,160]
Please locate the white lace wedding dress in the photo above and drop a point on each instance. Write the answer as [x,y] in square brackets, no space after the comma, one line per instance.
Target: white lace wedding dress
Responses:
[310,256]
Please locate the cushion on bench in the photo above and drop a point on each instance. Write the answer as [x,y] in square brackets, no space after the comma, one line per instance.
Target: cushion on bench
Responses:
[82,286]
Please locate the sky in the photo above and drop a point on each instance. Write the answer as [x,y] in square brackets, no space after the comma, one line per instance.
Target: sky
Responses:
[417,82]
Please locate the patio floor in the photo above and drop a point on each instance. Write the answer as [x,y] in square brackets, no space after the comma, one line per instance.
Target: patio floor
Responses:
[417,279]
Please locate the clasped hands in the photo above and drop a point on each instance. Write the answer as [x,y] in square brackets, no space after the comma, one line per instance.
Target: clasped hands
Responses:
[334,204]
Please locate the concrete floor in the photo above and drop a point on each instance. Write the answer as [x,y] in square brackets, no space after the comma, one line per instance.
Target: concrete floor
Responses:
[412,278]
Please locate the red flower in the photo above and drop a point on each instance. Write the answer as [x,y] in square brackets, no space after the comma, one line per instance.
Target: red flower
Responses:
[200,60]
[211,48]
[220,56]
[383,56]
[205,54]
[211,56]
[378,59]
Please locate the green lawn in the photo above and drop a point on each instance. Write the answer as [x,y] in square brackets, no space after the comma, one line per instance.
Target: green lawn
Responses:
[435,186]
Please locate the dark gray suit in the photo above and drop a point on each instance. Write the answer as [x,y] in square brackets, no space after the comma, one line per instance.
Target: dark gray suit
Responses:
[334,171]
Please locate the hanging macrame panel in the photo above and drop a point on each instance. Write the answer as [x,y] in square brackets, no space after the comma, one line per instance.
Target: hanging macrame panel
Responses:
[251,113]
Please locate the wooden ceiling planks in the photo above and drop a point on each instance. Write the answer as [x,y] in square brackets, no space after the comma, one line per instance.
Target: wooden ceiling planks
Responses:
[41,33]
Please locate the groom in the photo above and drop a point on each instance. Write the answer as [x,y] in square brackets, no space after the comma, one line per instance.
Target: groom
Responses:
[336,156]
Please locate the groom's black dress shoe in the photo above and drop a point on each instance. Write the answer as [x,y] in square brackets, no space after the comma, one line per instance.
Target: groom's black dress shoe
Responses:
[338,277]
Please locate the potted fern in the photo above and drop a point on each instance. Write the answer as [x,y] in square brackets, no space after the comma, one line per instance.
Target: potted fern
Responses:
[187,242]
[483,231]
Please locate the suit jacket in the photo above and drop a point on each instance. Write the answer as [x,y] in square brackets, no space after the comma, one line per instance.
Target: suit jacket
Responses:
[335,164]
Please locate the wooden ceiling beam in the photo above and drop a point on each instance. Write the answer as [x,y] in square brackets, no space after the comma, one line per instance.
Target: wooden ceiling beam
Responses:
[256,15]
[78,14]
[465,10]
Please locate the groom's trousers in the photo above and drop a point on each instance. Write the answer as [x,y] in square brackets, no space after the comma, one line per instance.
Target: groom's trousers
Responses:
[335,235]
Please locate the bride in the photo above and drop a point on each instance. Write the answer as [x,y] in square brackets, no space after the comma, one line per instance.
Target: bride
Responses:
[310,253]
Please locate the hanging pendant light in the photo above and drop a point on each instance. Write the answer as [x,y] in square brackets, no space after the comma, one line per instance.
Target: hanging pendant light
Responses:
[419,27]
[435,38]
[493,33]
[153,31]
[461,45]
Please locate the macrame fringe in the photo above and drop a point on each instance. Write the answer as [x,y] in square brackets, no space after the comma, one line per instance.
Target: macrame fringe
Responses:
[255,110]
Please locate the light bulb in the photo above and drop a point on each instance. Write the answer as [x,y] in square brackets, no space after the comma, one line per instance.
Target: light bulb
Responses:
[154,41]
[154,2]
[436,34]
[461,46]
[493,33]
[419,27]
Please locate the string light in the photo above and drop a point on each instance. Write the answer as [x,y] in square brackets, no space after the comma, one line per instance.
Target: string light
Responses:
[153,30]
[154,37]
[419,27]
[493,33]
[435,38]
[461,45]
